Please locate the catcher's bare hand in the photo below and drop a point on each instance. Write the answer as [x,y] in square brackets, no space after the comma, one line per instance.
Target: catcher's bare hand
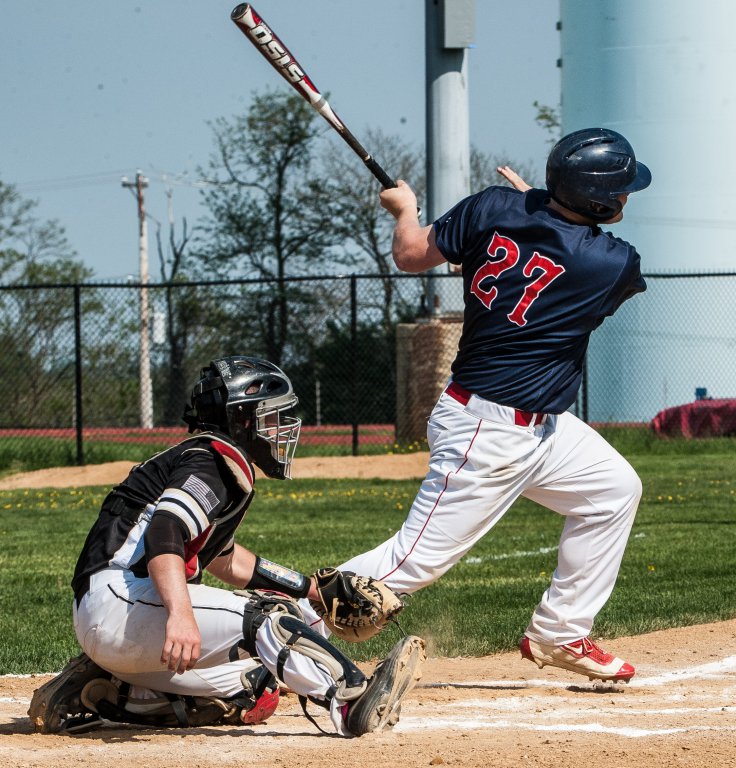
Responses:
[355,608]
[182,644]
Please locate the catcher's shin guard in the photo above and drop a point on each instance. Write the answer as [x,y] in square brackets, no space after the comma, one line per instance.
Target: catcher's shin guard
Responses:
[296,636]
[379,706]
[61,698]
[259,604]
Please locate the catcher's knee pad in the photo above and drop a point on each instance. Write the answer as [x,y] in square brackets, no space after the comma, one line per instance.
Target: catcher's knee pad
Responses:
[297,637]
[259,604]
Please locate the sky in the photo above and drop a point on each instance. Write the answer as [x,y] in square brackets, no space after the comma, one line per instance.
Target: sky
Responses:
[94,90]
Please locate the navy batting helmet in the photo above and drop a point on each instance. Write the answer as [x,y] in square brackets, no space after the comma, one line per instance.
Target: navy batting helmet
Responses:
[587,170]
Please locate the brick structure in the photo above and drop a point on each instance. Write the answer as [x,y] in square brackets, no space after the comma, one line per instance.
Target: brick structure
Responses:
[424,353]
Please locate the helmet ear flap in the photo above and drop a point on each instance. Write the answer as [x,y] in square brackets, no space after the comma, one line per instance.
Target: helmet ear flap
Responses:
[207,404]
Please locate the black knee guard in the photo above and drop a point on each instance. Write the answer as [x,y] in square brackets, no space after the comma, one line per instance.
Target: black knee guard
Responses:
[258,605]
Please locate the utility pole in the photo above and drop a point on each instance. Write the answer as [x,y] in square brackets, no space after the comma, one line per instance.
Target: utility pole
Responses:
[449,32]
[146,394]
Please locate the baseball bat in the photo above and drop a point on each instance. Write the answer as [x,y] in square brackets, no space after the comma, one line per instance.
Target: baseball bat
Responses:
[284,62]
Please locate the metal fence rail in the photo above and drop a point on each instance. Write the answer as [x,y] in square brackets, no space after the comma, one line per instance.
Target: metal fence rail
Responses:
[74,388]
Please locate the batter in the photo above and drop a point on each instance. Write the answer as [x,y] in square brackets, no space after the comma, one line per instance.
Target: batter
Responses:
[539,275]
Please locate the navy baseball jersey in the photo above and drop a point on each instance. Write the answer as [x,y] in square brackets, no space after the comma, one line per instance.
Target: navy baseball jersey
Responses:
[535,286]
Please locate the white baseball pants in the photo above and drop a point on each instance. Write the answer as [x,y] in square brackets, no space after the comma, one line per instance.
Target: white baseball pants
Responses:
[480,463]
[121,624]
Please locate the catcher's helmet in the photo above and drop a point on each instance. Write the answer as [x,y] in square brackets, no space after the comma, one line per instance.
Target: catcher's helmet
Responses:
[587,170]
[245,397]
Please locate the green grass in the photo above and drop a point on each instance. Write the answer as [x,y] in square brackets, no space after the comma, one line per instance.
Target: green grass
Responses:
[678,569]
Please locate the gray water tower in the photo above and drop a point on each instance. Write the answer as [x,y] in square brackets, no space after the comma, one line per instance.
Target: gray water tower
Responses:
[661,74]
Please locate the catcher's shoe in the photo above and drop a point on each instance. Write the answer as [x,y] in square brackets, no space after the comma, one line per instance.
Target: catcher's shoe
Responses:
[263,709]
[379,705]
[582,656]
[60,698]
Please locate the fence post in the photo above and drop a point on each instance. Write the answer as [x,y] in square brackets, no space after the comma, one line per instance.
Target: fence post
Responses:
[78,373]
[584,389]
[354,359]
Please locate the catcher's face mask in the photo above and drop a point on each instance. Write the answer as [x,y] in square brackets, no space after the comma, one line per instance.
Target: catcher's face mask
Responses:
[280,433]
[267,434]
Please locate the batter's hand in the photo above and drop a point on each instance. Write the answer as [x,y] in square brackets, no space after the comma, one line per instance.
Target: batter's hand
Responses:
[513,178]
[182,644]
[399,199]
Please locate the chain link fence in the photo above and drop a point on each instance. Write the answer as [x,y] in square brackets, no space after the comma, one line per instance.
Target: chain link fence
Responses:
[100,372]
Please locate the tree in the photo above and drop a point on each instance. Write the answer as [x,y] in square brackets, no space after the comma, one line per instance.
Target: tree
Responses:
[351,194]
[36,325]
[31,250]
[183,312]
[483,170]
[265,216]
[549,118]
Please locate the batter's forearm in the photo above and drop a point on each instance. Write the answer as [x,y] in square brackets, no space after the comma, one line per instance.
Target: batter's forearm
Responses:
[414,248]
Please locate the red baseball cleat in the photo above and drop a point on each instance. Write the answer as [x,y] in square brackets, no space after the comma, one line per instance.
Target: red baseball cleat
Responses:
[582,656]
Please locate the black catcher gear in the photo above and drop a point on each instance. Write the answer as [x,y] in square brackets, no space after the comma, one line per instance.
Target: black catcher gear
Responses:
[587,171]
[245,397]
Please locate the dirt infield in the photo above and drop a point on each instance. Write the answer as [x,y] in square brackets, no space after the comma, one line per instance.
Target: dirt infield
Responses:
[396,467]
[679,710]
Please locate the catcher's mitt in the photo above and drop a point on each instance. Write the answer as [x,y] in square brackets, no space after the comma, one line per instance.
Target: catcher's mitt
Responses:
[354,608]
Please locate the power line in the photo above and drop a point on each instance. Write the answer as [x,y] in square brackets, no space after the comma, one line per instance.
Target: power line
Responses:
[105,177]
[67,182]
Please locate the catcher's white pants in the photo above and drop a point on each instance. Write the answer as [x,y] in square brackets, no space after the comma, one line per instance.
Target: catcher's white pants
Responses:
[480,463]
[121,625]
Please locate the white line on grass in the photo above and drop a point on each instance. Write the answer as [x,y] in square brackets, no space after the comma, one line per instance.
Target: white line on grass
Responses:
[474,560]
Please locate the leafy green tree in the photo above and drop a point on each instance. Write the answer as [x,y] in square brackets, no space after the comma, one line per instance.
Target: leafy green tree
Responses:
[32,250]
[265,217]
[549,118]
[36,325]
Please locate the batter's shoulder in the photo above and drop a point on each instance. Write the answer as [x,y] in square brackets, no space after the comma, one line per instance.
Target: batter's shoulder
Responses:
[615,246]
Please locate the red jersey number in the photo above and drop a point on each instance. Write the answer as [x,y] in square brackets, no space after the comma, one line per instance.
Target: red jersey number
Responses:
[508,251]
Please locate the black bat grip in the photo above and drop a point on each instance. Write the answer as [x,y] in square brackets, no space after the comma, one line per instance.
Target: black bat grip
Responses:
[386,181]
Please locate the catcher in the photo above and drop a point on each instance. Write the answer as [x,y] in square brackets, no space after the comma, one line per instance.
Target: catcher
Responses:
[161,648]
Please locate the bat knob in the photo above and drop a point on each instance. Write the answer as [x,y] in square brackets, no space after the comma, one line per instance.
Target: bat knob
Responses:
[238,11]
